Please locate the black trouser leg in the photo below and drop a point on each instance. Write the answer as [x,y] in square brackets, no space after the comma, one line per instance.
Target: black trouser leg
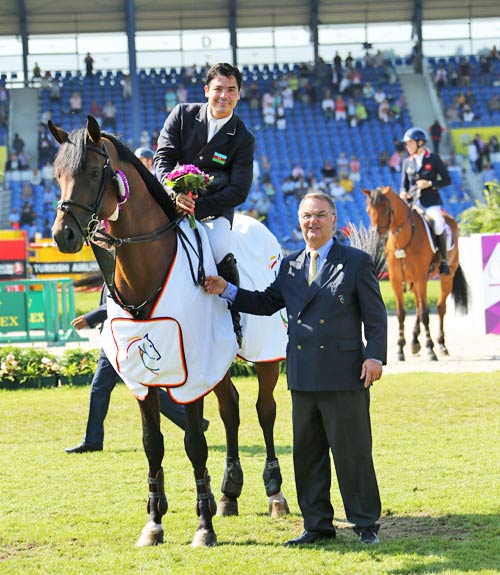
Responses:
[444,268]
[228,269]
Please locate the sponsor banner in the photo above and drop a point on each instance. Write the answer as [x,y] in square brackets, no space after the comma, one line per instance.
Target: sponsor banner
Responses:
[462,137]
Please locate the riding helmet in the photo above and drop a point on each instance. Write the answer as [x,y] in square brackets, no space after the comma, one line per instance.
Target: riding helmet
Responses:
[415,134]
[143,152]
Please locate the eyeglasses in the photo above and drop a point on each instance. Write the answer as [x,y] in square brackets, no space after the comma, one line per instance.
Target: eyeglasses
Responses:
[320,215]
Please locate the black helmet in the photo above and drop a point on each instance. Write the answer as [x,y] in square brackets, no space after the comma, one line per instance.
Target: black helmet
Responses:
[415,134]
[143,152]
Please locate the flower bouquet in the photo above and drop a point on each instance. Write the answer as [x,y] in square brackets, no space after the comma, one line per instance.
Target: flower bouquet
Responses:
[190,180]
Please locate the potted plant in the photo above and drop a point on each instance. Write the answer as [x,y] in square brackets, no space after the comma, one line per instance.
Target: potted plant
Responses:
[77,366]
[27,368]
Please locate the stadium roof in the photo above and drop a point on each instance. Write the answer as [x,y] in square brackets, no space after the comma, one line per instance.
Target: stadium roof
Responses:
[48,17]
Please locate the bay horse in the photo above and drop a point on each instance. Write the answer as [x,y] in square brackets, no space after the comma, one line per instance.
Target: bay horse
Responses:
[96,174]
[411,261]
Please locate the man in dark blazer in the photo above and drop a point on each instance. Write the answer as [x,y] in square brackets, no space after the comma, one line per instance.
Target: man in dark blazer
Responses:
[104,381]
[329,368]
[213,138]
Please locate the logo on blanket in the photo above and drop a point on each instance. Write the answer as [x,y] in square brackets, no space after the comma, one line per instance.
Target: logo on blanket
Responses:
[148,353]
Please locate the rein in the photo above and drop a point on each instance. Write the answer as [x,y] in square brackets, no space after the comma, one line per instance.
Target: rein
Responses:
[95,236]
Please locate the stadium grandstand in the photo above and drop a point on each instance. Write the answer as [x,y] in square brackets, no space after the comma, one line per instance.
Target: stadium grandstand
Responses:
[326,93]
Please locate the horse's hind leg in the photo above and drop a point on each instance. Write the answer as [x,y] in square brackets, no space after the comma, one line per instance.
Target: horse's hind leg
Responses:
[423,311]
[232,482]
[196,448]
[268,374]
[415,343]
[152,439]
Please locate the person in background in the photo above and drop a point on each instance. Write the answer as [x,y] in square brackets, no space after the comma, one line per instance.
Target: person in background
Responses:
[213,138]
[331,296]
[422,175]
[104,381]
[146,156]
[436,132]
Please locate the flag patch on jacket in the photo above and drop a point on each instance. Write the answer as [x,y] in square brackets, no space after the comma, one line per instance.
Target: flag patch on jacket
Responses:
[219,158]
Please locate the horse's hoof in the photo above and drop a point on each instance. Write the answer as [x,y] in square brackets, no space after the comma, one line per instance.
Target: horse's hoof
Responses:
[433,356]
[278,506]
[443,351]
[401,356]
[151,534]
[415,349]
[227,507]
[204,538]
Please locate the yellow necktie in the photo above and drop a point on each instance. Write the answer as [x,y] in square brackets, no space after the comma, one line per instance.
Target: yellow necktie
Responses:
[313,266]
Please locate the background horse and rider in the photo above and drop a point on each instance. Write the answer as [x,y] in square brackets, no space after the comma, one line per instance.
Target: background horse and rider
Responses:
[411,260]
[110,200]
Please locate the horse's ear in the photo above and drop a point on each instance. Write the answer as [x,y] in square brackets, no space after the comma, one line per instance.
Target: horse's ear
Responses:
[386,190]
[59,134]
[93,129]
[366,192]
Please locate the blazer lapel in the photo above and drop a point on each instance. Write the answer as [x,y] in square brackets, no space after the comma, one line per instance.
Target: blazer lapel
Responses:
[332,266]
[201,125]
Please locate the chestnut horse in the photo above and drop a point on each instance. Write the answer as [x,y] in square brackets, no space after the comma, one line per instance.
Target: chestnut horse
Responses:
[410,262]
[94,170]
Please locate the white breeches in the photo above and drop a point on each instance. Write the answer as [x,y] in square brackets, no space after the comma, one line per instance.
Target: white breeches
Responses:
[436,215]
[220,237]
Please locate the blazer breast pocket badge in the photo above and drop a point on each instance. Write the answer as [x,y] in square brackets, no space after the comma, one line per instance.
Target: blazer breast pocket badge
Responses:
[219,158]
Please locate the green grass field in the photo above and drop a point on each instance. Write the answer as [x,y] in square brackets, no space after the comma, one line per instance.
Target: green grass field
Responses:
[436,453]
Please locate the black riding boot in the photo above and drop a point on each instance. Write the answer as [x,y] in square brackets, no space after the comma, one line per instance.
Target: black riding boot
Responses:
[444,268]
[229,271]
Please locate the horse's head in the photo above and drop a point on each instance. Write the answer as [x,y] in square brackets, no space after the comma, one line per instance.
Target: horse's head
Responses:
[379,209]
[84,173]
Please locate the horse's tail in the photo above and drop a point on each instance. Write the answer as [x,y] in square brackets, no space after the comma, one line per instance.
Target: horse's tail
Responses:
[460,291]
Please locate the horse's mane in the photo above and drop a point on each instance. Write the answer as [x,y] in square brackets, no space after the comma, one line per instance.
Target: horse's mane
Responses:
[377,196]
[70,159]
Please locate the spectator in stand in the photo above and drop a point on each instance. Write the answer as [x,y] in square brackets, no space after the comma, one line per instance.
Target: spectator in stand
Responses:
[300,187]
[494,103]
[297,172]
[384,158]
[55,91]
[384,111]
[109,116]
[45,147]
[475,158]
[262,207]
[269,190]
[340,108]
[75,103]
[488,174]
[361,112]
[349,61]
[49,198]
[345,87]
[436,132]
[452,75]
[368,91]
[494,149]
[35,177]
[440,77]
[337,61]
[342,163]
[27,220]
[395,162]
[335,190]
[287,97]
[379,95]
[280,118]
[14,218]
[468,114]
[182,94]
[328,106]
[288,186]
[453,114]
[348,185]
[254,96]
[351,113]
[126,87]
[269,114]
[170,100]
[18,144]
[89,65]
[464,71]
[48,173]
[328,172]
[154,140]
[484,71]
[37,73]
[355,169]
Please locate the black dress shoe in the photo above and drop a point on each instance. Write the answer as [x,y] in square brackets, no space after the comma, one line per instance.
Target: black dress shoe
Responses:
[369,536]
[309,537]
[83,448]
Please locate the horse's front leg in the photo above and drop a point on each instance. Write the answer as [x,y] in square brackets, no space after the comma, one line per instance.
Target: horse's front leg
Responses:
[446,288]
[397,288]
[196,448]
[152,439]
[232,482]
[267,374]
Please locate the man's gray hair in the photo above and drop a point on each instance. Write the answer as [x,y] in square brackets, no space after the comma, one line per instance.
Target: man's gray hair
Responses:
[320,196]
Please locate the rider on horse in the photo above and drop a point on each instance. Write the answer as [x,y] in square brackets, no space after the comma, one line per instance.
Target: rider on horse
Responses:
[423,173]
[214,139]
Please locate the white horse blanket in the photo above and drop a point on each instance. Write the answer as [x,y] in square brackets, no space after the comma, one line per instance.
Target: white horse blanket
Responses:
[188,342]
